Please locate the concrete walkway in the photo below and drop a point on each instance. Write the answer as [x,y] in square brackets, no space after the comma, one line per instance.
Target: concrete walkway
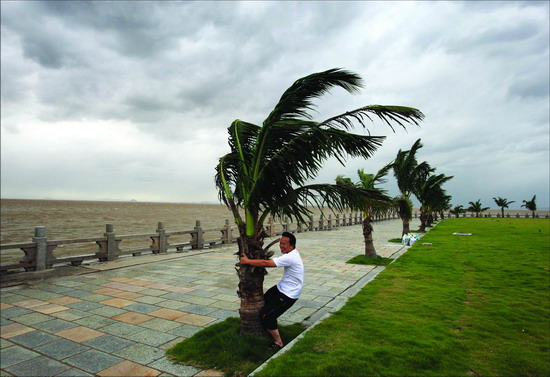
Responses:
[118,318]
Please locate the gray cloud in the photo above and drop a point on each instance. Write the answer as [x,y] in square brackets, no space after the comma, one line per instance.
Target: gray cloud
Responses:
[148,89]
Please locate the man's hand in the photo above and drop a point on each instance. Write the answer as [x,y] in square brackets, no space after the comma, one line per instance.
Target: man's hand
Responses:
[244,259]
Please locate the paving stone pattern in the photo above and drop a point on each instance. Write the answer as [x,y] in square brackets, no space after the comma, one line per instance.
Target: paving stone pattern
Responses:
[118,319]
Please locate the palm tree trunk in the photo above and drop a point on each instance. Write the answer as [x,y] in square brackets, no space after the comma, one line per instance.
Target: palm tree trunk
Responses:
[406,228]
[423,220]
[502,209]
[367,234]
[251,292]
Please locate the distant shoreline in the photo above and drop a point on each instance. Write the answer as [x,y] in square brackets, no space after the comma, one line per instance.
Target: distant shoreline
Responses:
[492,211]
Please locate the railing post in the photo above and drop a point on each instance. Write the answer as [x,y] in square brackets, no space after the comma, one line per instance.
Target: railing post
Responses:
[112,244]
[337,220]
[271,227]
[163,238]
[310,225]
[197,237]
[227,234]
[330,222]
[321,223]
[286,225]
[41,247]
[299,227]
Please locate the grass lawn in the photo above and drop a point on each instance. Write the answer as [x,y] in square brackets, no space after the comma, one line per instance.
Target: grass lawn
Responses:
[363,259]
[221,347]
[465,306]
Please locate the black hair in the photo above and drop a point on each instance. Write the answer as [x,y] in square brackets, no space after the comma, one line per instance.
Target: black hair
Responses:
[290,237]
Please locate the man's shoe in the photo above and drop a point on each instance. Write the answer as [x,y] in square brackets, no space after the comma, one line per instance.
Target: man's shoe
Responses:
[275,347]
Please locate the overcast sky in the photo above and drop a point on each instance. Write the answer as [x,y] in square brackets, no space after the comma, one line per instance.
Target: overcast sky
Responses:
[131,100]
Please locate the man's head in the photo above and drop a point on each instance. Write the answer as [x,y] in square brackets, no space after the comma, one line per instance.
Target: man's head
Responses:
[287,242]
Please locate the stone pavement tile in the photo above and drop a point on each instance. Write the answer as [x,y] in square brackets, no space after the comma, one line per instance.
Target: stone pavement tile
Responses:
[127,295]
[199,300]
[107,291]
[128,368]
[109,343]
[27,304]
[61,349]
[65,300]
[93,361]
[4,306]
[85,306]
[50,308]
[153,292]
[40,367]
[55,288]
[172,343]
[96,298]
[34,339]
[77,293]
[14,329]
[141,353]
[108,311]
[167,314]
[39,294]
[132,317]
[142,308]
[71,314]
[33,318]
[201,293]
[4,322]
[69,283]
[226,297]
[172,304]
[177,289]
[149,299]
[95,321]
[139,282]
[14,355]
[174,296]
[14,312]
[118,302]
[123,287]
[179,370]
[9,298]
[160,324]
[151,337]
[195,319]
[79,334]
[4,343]
[224,305]
[73,372]
[204,310]
[186,330]
[121,329]
[54,325]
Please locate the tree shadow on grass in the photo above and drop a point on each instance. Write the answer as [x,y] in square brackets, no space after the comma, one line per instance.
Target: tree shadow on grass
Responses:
[221,347]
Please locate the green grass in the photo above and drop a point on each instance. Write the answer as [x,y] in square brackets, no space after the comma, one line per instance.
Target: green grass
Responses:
[221,347]
[466,306]
[363,259]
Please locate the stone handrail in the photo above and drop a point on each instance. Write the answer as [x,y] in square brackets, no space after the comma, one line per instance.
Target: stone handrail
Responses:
[39,253]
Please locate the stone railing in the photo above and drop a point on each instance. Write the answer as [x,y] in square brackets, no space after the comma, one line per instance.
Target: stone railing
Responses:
[39,254]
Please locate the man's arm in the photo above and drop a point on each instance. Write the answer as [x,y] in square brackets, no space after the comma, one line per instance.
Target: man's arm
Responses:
[257,262]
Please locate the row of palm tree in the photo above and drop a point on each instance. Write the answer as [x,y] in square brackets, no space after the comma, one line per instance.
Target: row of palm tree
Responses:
[413,178]
[477,208]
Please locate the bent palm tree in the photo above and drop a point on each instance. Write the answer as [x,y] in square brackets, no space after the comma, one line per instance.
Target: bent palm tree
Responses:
[531,205]
[502,203]
[266,171]
[370,206]
[406,170]
[427,188]
[477,208]
[458,210]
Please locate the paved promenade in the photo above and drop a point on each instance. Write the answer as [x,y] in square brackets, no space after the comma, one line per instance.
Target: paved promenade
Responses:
[118,318]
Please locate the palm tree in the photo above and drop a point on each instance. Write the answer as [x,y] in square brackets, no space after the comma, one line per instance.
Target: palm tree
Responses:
[427,188]
[457,210]
[266,171]
[476,207]
[502,203]
[530,205]
[406,169]
[370,206]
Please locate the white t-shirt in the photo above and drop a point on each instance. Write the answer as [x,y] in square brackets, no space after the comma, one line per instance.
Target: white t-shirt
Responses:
[292,282]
